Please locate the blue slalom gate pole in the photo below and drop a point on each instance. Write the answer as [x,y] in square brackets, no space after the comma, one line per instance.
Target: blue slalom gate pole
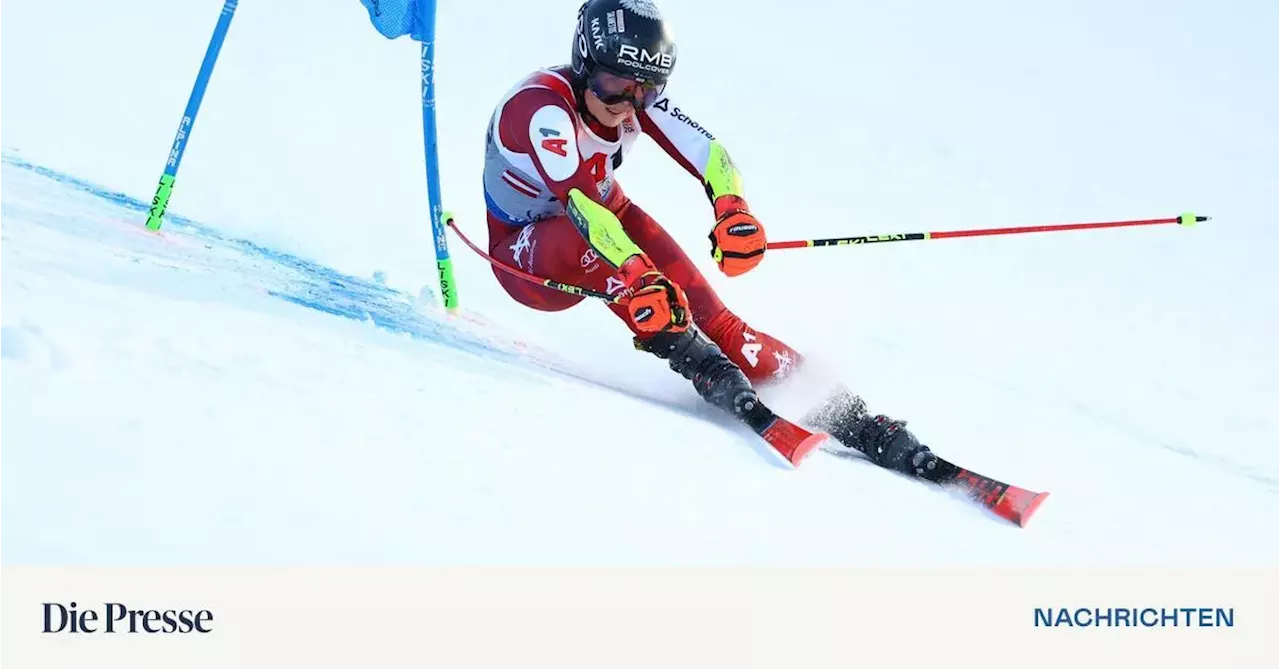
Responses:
[161,200]
[444,264]
[417,18]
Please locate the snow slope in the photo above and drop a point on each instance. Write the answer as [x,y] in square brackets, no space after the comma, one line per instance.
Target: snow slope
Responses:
[240,389]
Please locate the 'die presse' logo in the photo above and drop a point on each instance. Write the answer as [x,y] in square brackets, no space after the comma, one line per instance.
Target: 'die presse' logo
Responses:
[118,618]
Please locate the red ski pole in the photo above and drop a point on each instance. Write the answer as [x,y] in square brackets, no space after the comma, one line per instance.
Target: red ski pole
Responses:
[1185,219]
[548,283]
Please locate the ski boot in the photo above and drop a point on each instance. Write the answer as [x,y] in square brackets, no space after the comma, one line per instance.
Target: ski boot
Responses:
[715,377]
[882,439]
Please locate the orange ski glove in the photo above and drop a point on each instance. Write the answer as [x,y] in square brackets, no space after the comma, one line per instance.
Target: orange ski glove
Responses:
[654,303]
[738,239]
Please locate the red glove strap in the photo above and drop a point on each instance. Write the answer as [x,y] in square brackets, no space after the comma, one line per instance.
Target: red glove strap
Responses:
[730,204]
[634,269]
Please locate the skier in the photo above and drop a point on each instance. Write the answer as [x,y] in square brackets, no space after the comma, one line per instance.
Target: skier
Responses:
[556,210]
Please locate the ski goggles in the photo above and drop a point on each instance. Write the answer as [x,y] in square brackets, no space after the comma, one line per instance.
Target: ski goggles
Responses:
[612,89]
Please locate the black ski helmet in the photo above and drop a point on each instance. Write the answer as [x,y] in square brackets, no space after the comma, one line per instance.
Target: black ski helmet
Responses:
[625,37]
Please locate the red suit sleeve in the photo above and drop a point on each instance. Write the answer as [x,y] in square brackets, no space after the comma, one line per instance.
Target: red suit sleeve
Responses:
[679,135]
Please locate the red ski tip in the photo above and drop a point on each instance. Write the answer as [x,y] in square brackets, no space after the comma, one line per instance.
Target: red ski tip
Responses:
[792,441]
[1016,505]
[810,444]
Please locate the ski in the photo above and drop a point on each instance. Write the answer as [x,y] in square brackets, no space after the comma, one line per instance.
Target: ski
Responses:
[1009,502]
[795,443]
[843,414]
[790,440]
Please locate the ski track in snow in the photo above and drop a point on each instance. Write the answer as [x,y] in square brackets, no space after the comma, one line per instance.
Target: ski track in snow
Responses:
[187,397]
[1043,391]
